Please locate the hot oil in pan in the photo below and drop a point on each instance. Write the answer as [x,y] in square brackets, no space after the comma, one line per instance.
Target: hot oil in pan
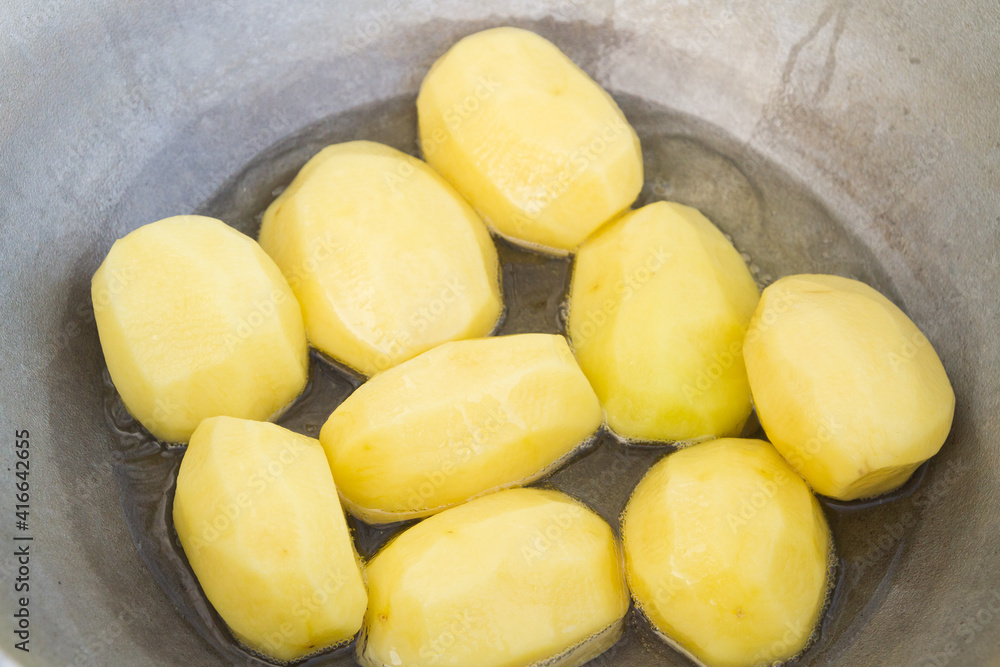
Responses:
[778,225]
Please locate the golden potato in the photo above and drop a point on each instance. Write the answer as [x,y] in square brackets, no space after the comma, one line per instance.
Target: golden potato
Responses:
[458,421]
[385,257]
[260,522]
[541,151]
[728,553]
[515,578]
[196,321]
[846,387]
[658,307]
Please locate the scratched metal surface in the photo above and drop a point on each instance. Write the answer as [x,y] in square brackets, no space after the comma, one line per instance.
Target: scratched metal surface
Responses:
[117,114]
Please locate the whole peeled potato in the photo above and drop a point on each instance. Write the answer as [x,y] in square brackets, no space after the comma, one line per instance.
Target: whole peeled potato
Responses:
[457,421]
[543,153]
[260,522]
[658,307]
[846,386]
[519,577]
[386,259]
[196,321]
[728,553]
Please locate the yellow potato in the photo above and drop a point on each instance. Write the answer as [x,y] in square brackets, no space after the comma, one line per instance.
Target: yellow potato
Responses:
[196,321]
[846,387]
[728,553]
[516,578]
[385,257]
[258,516]
[458,421]
[543,153]
[658,307]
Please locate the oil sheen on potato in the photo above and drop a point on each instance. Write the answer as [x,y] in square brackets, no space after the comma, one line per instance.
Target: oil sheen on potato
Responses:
[846,386]
[728,553]
[455,422]
[260,522]
[386,259]
[543,153]
[514,578]
[196,321]
[658,307]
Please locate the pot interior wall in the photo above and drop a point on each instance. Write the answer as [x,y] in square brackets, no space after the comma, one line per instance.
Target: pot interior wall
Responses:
[861,138]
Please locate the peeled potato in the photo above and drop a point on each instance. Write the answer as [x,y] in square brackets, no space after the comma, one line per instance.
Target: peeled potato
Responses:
[385,257]
[541,151]
[727,553]
[455,422]
[260,522]
[658,307]
[196,321]
[846,387]
[516,578]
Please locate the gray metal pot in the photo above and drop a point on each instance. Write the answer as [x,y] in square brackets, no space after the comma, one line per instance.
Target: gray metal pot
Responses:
[861,138]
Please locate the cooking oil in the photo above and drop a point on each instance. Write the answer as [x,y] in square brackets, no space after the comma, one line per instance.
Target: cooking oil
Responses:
[778,225]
